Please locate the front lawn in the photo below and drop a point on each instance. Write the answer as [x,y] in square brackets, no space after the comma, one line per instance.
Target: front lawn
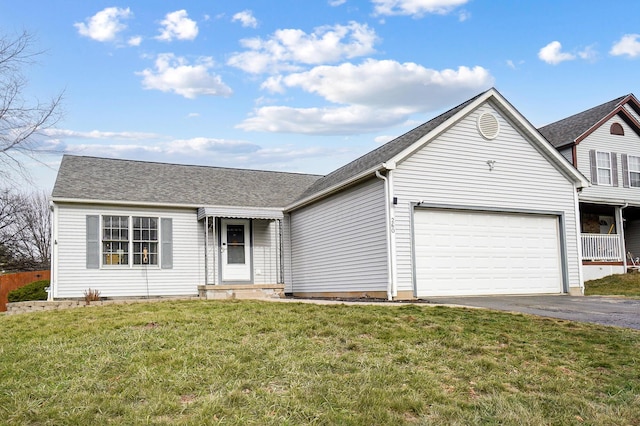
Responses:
[614,285]
[199,362]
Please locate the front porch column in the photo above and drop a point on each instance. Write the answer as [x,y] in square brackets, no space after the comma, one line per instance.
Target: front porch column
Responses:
[620,228]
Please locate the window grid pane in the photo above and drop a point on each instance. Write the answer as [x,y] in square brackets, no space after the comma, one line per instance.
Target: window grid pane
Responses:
[115,240]
[603,160]
[634,171]
[145,241]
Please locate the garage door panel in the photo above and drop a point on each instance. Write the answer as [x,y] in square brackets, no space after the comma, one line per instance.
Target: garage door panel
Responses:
[479,253]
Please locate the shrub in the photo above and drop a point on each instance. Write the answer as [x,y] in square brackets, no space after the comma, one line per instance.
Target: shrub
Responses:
[91,296]
[31,291]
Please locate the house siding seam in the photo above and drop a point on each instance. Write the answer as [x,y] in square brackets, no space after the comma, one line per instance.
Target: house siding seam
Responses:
[73,278]
[452,169]
[602,140]
[339,244]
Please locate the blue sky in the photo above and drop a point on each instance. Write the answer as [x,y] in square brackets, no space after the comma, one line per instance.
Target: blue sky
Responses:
[302,85]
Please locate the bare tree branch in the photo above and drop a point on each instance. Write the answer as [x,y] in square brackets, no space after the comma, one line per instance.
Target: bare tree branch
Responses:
[22,121]
[25,230]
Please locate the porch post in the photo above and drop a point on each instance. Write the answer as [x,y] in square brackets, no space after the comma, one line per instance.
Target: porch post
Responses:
[206,250]
[620,228]
[280,254]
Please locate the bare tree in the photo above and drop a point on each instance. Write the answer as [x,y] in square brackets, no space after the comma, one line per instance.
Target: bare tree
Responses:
[25,231]
[21,121]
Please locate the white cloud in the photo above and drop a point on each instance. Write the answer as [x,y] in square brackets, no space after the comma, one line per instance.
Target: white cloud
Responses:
[464,15]
[589,53]
[514,65]
[104,25]
[552,54]
[286,49]
[390,84]
[627,45]
[415,8]
[246,18]
[134,41]
[382,139]
[203,146]
[97,134]
[198,150]
[368,97]
[177,25]
[175,74]
[325,121]
[193,115]
[335,3]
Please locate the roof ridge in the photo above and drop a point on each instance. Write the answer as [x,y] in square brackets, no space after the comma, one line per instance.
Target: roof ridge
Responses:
[164,163]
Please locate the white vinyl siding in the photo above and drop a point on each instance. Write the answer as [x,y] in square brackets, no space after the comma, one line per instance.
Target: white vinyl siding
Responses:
[73,276]
[339,244]
[602,140]
[266,259]
[568,154]
[452,170]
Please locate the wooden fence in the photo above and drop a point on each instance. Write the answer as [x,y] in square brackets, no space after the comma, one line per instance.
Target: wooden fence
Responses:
[10,282]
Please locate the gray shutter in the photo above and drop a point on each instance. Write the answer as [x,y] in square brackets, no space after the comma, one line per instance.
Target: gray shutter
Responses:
[93,242]
[625,170]
[594,166]
[166,225]
[614,169]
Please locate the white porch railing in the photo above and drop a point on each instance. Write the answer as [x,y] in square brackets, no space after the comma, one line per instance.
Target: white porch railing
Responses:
[605,247]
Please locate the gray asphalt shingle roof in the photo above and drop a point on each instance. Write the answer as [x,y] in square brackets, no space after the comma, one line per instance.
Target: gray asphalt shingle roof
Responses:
[382,154]
[567,130]
[104,179]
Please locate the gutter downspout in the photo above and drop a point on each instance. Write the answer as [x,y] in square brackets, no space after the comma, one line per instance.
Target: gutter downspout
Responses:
[387,205]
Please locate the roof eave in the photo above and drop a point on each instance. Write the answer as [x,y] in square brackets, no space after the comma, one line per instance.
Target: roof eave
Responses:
[63,200]
[337,187]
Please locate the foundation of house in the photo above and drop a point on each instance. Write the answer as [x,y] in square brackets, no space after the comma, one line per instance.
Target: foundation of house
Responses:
[245,291]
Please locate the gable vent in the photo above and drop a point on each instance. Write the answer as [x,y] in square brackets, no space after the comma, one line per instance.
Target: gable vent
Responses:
[488,125]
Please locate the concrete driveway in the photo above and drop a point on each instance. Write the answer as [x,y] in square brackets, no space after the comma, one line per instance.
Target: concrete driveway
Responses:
[614,311]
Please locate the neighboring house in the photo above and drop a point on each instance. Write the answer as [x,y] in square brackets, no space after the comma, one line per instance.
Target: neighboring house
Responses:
[473,202]
[604,144]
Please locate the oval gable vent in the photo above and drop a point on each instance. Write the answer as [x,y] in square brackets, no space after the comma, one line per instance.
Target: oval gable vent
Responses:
[488,125]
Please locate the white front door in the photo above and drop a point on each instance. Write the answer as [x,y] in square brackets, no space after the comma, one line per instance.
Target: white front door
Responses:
[236,250]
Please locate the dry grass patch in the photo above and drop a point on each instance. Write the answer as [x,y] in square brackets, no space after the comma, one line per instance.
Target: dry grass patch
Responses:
[268,363]
[615,285]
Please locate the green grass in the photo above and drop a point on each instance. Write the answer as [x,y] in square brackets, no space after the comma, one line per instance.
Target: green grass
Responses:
[615,285]
[198,362]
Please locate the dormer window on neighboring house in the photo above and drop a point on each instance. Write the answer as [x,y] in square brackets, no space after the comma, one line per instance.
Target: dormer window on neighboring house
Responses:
[616,129]
[603,163]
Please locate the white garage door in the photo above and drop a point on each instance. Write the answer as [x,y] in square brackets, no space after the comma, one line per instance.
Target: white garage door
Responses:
[477,253]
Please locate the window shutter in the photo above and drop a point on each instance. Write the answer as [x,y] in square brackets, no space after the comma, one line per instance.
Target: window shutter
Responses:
[614,169]
[594,166]
[167,243]
[625,170]
[93,242]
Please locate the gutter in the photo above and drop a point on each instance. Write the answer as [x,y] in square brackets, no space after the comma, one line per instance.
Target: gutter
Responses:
[387,204]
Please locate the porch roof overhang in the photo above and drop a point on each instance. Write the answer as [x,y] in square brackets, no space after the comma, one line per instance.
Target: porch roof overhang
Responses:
[240,212]
[609,201]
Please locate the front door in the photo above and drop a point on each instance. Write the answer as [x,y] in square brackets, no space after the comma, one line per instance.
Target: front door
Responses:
[236,250]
